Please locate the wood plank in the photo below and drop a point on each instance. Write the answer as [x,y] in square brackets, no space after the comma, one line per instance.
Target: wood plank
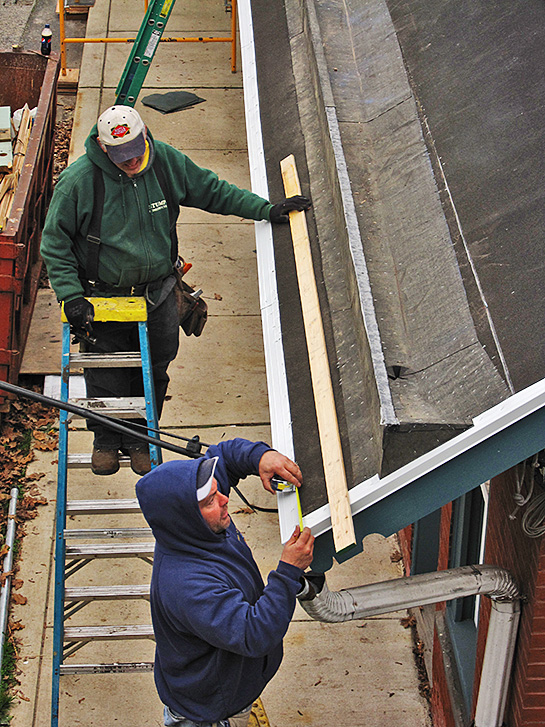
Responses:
[326,413]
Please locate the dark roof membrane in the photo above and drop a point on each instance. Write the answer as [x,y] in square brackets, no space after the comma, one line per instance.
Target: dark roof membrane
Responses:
[342,72]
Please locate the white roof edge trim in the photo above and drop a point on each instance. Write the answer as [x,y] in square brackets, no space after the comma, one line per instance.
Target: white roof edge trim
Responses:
[277,385]
[491,422]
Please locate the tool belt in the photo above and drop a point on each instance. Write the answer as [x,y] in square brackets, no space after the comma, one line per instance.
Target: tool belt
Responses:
[144,289]
[192,309]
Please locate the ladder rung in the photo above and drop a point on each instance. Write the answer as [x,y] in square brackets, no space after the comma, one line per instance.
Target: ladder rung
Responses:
[105,360]
[83,461]
[110,550]
[107,633]
[121,407]
[105,507]
[118,667]
[105,593]
[107,532]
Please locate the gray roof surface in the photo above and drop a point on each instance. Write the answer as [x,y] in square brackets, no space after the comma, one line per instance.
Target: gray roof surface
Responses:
[401,99]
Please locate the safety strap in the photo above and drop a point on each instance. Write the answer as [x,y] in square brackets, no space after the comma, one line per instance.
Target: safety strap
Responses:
[93,233]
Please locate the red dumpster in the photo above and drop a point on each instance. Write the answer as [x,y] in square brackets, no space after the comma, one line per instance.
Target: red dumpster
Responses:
[26,78]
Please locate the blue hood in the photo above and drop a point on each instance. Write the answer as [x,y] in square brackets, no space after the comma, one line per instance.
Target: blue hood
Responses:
[218,629]
[168,499]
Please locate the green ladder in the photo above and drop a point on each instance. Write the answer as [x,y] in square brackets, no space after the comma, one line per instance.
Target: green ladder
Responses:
[143,50]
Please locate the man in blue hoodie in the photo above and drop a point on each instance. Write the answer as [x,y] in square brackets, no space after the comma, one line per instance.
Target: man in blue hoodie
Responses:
[218,628]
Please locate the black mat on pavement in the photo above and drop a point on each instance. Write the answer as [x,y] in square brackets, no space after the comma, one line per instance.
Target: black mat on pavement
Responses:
[171,101]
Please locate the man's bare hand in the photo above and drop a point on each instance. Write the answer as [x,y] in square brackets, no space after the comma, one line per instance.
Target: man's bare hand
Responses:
[274,463]
[299,548]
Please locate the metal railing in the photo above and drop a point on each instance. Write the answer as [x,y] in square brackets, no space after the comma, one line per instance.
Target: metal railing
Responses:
[230,7]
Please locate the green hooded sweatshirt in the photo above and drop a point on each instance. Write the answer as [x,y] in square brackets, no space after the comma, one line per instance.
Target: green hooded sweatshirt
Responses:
[136,244]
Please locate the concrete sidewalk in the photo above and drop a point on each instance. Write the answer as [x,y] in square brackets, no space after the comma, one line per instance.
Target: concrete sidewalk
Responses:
[360,673]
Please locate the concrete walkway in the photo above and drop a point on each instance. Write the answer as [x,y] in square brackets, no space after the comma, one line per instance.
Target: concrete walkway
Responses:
[353,674]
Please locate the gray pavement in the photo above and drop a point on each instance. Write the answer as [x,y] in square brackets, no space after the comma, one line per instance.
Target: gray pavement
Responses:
[357,674]
[14,15]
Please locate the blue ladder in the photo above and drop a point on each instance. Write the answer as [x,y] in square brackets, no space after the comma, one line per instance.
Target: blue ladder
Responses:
[69,559]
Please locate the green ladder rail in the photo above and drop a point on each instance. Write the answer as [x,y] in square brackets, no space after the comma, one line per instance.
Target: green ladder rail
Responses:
[71,558]
[143,50]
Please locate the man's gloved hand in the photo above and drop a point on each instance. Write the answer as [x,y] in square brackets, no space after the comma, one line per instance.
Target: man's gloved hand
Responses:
[280,212]
[80,314]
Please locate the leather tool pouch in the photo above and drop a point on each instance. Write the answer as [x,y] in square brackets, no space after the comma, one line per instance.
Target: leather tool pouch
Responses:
[192,311]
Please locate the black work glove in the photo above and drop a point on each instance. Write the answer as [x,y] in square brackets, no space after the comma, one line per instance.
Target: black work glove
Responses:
[80,314]
[279,212]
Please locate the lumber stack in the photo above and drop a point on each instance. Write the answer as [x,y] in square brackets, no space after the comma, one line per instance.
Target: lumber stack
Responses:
[12,156]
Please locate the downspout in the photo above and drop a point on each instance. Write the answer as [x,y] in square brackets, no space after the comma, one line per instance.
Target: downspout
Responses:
[420,590]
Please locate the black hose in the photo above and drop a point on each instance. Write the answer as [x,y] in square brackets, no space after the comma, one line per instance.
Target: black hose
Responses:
[113,424]
[249,504]
[145,428]
[104,420]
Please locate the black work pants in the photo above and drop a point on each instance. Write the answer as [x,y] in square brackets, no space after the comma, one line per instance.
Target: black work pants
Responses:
[163,332]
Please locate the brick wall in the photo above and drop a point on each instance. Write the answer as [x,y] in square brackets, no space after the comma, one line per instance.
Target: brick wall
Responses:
[441,708]
[524,557]
[405,538]
[444,538]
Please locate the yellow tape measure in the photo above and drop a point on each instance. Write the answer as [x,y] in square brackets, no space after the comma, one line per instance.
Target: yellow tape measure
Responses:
[280,485]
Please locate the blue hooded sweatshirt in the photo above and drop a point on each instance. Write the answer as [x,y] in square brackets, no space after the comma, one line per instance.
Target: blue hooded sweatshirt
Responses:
[218,628]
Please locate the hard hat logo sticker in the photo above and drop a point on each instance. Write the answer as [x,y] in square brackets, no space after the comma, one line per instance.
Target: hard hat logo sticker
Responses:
[119,131]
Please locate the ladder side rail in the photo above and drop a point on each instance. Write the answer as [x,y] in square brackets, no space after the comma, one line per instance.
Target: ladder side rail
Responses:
[233,36]
[60,525]
[156,456]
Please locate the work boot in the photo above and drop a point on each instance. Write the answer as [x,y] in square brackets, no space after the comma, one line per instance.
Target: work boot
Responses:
[104,461]
[140,460]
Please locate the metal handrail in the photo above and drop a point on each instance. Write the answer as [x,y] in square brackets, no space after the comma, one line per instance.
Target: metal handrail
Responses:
[231,7]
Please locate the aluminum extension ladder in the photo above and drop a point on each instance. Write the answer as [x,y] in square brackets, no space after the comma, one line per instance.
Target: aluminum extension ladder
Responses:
[70,558]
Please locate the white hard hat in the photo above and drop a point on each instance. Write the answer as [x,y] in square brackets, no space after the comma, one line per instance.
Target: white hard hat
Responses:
[121,130]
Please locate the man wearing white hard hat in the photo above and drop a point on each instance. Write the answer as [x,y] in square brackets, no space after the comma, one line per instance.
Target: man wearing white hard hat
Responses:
[110,231]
